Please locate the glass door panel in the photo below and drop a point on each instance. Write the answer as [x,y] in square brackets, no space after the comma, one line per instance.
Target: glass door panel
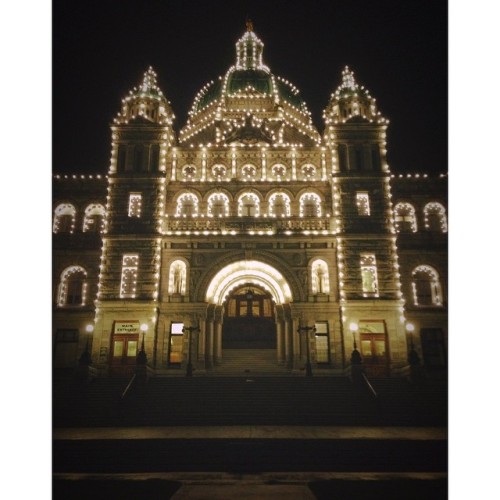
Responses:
[132,348]
[175,356]
[118,349]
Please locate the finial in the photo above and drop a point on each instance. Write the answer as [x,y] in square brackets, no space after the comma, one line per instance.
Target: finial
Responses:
[249,24]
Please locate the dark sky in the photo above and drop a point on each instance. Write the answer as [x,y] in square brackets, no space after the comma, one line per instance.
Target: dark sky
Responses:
[397,49]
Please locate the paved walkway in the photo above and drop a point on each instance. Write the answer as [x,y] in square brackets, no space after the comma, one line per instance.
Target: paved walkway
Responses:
[251,432]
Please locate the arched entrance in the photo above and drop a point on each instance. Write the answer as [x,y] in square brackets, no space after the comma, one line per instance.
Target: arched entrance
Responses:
[249,319]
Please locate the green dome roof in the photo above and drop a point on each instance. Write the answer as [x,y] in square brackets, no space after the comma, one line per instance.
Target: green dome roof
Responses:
[240,80]
[248,74]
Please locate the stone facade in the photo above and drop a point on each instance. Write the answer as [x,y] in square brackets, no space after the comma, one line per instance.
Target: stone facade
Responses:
[249,217]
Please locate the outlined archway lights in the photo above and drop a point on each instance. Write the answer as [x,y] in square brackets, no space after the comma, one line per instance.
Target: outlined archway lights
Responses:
[248,272]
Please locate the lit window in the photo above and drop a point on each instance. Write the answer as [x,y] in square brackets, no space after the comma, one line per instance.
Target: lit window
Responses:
[134,204]
[187,205]
[369,280]
[278,171]
[426,287]
[218,205]
[308,171]
[435,217]
[189,171]
[405,218]
[93,221]
[249,205]
[320,282]
[72,287]
[279,205]
[310,205]
[177,278]
[363,203]
[64,218]
[128,285]
[249,172]
[219,171]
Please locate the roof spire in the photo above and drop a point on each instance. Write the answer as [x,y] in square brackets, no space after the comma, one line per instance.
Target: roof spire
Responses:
[249,24]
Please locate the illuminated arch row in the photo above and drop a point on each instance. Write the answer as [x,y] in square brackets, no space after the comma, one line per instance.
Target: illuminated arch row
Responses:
[248,271]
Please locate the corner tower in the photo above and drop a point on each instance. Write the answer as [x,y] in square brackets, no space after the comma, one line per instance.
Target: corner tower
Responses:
[130,263]
[369,280]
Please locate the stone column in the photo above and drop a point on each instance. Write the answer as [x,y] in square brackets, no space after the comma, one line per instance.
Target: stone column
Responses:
[279,342]
[218,342]
[287,342]
[209,350]
[295,343]
[202,340]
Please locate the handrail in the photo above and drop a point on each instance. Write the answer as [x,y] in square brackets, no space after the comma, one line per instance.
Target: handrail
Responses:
[128,386]
[370,386]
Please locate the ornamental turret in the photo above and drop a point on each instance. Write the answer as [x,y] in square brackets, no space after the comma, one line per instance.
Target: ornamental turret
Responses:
[146,101]
[351,100]
[249,50]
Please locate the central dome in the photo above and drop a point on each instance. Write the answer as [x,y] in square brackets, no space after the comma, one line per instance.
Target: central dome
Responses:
[249,105]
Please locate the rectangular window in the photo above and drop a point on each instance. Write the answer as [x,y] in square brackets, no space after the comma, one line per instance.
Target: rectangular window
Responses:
[322,341]
[369,280]
[175,346]
[363,203]
[130,266]
[134,204]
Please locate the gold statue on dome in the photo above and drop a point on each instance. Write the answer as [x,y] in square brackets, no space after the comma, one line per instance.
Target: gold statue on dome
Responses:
[249,25]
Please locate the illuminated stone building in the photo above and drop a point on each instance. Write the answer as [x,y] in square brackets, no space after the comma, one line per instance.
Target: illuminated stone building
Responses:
[249,227]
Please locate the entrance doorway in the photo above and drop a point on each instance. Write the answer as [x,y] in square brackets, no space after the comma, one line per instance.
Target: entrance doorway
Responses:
[249,320]
[373,340]
[124,351]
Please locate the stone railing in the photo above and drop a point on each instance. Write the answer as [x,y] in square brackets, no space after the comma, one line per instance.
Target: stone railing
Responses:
[246,224]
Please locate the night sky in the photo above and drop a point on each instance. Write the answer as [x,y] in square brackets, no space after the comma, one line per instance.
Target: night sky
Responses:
[397,49]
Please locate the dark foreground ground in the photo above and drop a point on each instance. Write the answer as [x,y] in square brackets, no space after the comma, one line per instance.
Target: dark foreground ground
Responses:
[256,439]
[232,488]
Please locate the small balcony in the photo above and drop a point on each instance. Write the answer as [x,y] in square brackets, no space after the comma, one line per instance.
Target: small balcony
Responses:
[247,225]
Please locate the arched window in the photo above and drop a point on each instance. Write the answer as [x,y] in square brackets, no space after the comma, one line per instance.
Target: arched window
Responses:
[72,287]
[320,281]
[188,172]
[187,205]
[249,205]
[435,217]
[279,205]
[218,205]
[249,172]
[93,221]
[405,218]
[308,172]
[426,287]
[278,171]
[219,171]
[310,205]
[177,278]
[64,218]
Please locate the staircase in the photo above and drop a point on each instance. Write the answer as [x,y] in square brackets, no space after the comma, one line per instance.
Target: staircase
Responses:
[248,425]
[240,400]
[250,362]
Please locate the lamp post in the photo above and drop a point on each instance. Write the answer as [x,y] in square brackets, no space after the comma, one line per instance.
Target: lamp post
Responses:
[190,329]
[142,359]
[86,357]
[307,329]
[413,357]
[356,361]
[355,356]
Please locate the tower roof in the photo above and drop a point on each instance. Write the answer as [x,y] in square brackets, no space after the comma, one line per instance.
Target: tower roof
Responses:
[249,88]
[351,101]
[146,102]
